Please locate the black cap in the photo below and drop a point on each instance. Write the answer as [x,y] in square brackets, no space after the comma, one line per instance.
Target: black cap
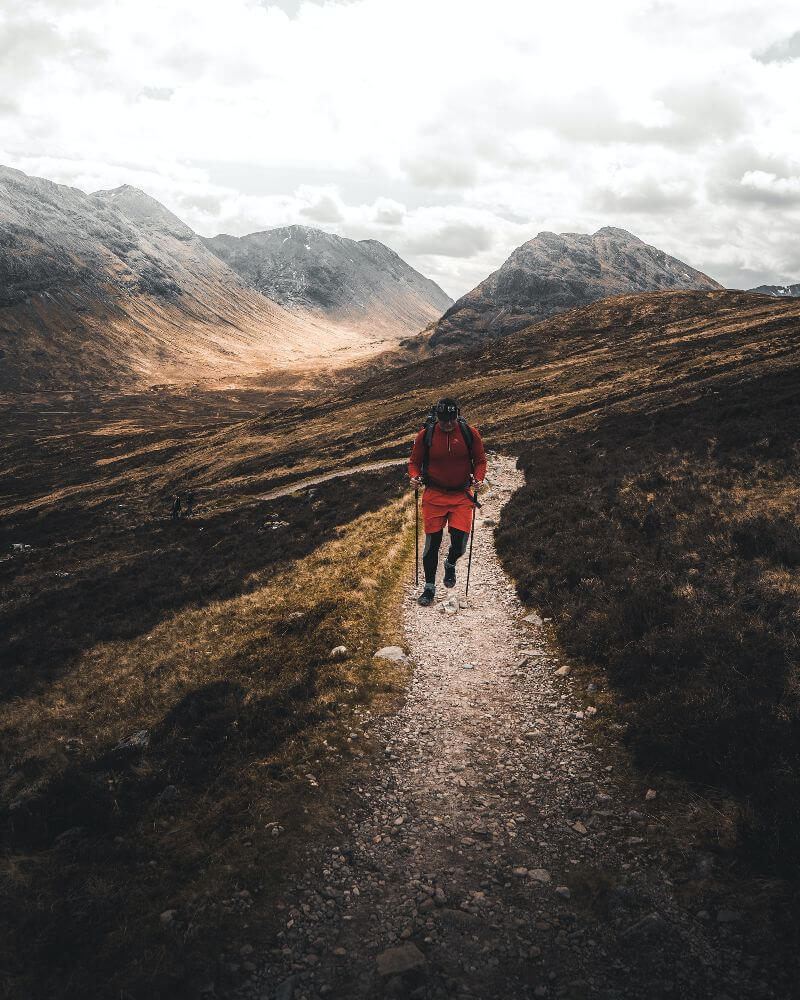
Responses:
[447,409]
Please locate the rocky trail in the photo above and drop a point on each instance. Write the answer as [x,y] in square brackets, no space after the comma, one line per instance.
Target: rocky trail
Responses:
[497,852]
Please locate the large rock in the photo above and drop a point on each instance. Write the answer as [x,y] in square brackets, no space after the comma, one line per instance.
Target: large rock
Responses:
[394,653]
[395,961]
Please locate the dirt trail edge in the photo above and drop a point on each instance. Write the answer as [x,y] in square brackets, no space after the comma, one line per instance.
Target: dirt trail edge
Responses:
[302,484]
[495,853]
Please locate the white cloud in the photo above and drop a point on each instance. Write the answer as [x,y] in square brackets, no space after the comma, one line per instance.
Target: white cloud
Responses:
[388,212]
[782,50]
[771,189]
[461,130]
[322,205]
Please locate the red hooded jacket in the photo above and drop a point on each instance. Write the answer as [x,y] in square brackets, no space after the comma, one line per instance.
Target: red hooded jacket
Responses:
[448,462]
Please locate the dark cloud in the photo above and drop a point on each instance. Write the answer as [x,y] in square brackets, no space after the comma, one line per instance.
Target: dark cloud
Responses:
[206,202]
[455,239]
[26,44]
[324,209]
[390,215]
[714,110]
[587,117]
[732,276]
[509,215]
[772,190]
[366,184]
[450,157]
[644,196]
[784,50]
[701,114]
[728,180]
[440,170]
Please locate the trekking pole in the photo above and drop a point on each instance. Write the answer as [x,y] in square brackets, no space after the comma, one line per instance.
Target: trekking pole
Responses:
[416,536]
[469,561]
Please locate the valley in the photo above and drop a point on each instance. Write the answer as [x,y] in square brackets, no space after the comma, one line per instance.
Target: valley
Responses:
[654,522]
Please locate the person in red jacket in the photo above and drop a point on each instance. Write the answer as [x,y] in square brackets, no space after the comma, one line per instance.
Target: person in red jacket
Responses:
[449,474]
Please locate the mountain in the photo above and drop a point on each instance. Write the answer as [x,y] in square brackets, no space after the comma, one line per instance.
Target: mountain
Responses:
[360,284]
[554,272]
[779,291]
[112,289]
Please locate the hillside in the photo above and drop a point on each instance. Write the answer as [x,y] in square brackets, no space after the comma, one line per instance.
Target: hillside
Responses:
[93,296]
[359,284]
[111,289]
[657,528]
[659,521]
[555,272]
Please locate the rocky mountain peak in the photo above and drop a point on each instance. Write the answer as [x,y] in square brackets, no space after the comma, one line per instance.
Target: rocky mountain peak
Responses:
[353,281]
[558,271]
[779,291]
[144,210]
[616,233]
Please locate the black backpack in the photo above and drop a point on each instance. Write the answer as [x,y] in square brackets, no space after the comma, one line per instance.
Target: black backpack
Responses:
[430,423]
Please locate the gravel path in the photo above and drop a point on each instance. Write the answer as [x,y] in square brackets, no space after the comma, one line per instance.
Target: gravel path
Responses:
[302,484]
[495,853]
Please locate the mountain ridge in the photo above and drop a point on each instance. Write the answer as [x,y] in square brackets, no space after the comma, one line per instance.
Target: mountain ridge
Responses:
[554,272]
[359,282]
[112,289]
[779,291]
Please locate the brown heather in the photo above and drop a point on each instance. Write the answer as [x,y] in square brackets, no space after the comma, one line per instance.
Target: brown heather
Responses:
[659,528]
[212,634]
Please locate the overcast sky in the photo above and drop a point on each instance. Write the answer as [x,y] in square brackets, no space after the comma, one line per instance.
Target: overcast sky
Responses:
[452,130]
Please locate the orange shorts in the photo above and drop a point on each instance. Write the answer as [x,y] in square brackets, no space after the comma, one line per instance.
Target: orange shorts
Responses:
[440,508]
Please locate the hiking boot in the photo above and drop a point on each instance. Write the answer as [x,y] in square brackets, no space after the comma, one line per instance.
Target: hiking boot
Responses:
[449,574]
[426,597]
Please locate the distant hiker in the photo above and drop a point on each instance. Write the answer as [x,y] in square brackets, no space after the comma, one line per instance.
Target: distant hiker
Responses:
[176,507]
[447,458]
[189,505]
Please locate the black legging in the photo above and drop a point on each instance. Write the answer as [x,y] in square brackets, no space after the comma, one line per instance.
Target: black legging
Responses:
[430,554]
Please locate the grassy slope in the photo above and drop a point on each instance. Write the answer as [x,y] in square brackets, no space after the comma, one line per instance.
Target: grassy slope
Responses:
[120,620]
[656,432]
[659,524]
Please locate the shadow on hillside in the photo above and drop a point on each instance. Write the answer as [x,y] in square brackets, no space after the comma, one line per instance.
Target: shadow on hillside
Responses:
[108,585]
[85,820]
[109,792]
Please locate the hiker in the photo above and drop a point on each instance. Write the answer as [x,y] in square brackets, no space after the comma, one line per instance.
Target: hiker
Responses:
[189,505]
[447,459]
[176,507]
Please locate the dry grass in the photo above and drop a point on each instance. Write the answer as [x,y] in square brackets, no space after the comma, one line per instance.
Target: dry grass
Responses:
[240,701]
[659,527]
